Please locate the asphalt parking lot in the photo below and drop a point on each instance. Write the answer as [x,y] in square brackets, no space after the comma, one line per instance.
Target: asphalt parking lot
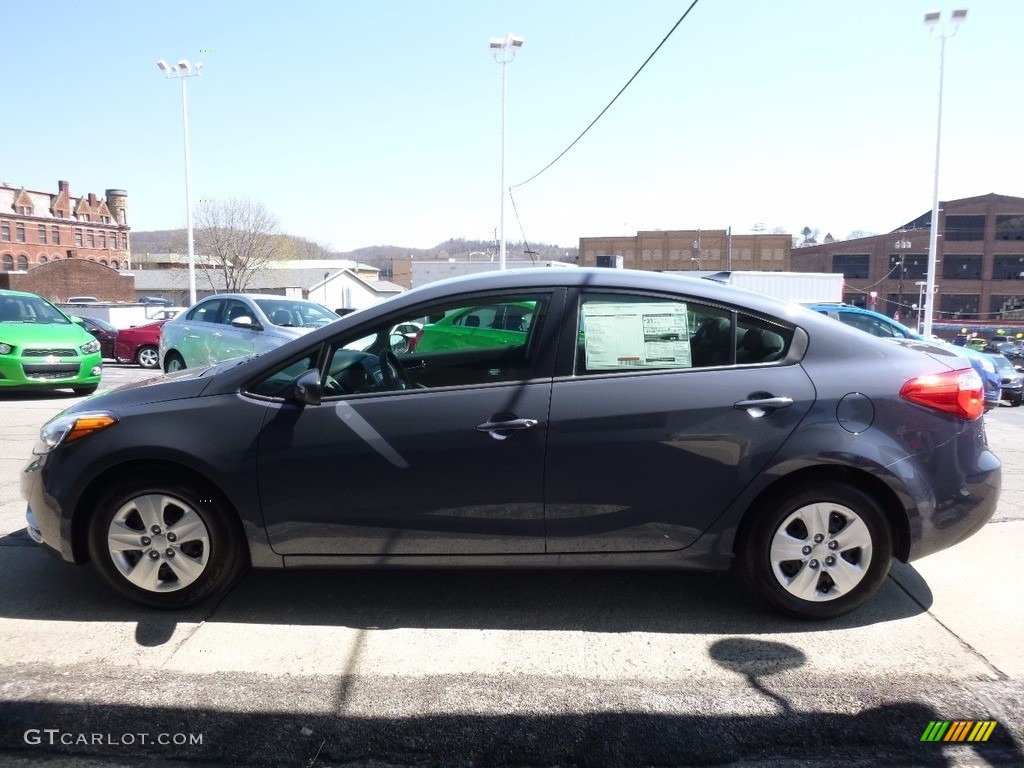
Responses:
[506,667]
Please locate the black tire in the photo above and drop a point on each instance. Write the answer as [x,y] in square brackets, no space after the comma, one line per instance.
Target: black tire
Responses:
[85,390]
[203,566]
[173,362]
[1015,403]
[147,356]
[803,586]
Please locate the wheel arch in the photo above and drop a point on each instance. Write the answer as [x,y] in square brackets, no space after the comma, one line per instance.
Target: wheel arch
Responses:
[873,485]
[139,469]
[171,352]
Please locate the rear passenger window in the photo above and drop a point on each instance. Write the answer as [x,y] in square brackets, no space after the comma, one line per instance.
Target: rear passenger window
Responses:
[629,333]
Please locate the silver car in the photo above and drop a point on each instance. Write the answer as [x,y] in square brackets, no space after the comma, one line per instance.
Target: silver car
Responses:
[232,325]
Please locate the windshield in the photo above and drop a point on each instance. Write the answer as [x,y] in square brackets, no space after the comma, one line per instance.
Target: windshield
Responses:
[30,309]
[289,313]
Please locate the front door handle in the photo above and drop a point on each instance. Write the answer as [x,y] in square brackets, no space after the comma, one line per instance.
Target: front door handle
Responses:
[761,406]
[500,430]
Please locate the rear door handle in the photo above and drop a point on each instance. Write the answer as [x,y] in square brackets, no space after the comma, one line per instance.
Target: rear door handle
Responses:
[761,406]
[500,430]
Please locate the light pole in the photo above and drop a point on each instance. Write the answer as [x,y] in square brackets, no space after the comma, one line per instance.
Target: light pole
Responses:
[183,71]
[921,285]
[940,29]
[901,245]
[504,51]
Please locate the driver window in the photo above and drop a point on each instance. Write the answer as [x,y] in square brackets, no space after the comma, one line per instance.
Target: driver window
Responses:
[462,343]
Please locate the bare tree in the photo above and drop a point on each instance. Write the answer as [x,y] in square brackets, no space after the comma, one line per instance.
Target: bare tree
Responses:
[300,248]
[237,239]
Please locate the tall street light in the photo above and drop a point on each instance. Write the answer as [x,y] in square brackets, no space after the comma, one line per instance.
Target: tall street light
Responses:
[942,29]
[183,71]
[504,51]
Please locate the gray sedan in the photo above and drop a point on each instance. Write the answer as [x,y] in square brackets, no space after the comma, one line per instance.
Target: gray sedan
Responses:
[642,420]
[231,325]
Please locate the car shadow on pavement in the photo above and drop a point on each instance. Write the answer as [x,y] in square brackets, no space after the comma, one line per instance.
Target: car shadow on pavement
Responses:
[885,734]
[678,602]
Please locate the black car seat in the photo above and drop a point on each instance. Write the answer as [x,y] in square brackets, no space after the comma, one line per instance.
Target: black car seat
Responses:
[711,344]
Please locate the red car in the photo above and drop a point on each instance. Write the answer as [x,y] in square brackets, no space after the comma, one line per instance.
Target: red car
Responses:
[140,344]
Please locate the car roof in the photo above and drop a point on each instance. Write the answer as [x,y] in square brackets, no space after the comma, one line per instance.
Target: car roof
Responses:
[9,292]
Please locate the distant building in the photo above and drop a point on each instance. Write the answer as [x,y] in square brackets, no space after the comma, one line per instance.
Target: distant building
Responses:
[689,250]
[334,288]
[412,273]
[61,279]
[41,227]
[980,262]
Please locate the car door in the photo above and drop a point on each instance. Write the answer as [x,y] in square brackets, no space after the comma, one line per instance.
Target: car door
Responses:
[665,416]
[228,342]
[196,332]
[451,465]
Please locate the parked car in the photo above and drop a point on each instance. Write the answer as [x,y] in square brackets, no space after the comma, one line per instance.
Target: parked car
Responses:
[140,344]
[885,327]
[478,326]
[1012,380]
[83,300]
[156,300]
[102,331]
[169,313]
[695,425]
[41,347]
[232,325]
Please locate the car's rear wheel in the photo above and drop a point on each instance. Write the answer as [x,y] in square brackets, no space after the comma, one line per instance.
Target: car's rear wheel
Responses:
[173,362]
[167,543]
[818,553]
[148,357]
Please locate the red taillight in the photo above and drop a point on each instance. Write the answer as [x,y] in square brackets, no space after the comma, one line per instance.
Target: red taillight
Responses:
[960,393]
[414,340]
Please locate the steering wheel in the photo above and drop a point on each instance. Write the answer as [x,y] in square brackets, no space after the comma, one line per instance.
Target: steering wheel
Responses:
[392,371]
[333,387]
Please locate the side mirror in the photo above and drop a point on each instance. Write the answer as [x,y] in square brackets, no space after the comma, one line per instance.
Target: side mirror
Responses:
[77,319]
[306,388]
[246,323]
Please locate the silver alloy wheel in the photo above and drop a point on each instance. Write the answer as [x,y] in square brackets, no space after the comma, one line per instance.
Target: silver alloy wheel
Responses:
[158,543]
[821,552]
[148,357]
[174,363]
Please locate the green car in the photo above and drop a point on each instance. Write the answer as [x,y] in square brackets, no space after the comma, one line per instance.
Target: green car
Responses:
[40,346]
[482,326]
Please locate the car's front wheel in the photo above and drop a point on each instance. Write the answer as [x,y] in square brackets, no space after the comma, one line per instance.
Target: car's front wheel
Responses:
[148,357]
[167,543]
[822,551]
[173,362]
[88,390]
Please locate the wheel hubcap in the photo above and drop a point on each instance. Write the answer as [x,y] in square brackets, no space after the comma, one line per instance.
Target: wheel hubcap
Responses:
[148,358]
[821,552]
[159,543]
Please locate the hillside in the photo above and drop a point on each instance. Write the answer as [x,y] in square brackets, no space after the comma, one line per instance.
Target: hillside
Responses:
[176,241]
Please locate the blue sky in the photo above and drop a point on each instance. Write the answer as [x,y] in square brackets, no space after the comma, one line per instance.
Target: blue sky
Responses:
[368,123]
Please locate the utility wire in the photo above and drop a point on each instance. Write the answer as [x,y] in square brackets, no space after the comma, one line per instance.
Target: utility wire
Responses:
[621,91]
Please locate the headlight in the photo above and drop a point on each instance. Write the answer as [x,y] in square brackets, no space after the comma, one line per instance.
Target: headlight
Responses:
[92,346]
[6,349]
[74,426]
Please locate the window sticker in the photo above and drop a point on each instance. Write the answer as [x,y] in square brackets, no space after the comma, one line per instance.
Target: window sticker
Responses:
[619,336]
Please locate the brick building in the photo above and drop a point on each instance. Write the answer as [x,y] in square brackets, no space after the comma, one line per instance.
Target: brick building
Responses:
[980,255]
[61,279]
[41,227]
[689,249]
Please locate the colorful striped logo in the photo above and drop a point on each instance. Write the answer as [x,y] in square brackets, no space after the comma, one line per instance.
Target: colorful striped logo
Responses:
[958,730]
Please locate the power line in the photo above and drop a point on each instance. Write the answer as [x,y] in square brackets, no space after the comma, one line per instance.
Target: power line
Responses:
[594,121]
[621,91]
